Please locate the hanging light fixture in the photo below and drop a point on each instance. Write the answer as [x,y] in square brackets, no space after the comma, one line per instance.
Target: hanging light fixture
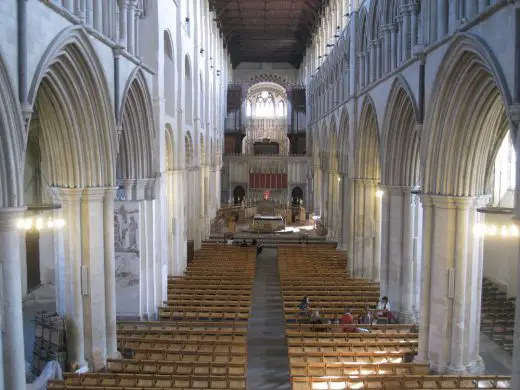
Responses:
[39,217]
[503,230]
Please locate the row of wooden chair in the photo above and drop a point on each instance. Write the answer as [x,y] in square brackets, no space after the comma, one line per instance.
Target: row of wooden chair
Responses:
[394,382]
[321,356]
[201,340]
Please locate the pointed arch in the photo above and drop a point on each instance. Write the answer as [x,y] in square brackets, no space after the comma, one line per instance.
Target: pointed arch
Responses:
[466,120]
[366,158]
[70,95]
[12,140]
[169,73]
[375,19]
[202,149]
[188,89]
[333,145]
[188,149]
[344,133]
[135,158]
[362,33]
[400,141]
[170,151]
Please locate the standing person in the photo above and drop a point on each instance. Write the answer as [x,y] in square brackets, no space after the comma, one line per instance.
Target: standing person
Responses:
[386,311]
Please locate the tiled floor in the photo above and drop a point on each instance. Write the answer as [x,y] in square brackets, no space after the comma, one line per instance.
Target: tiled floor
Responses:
[268,362]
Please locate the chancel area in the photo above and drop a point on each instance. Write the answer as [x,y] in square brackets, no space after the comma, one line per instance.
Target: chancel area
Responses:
[258,194]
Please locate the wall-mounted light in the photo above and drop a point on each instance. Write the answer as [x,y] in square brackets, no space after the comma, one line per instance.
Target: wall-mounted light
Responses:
[380,193]
[201,51]
[347,14]
[330,45]
[187,19]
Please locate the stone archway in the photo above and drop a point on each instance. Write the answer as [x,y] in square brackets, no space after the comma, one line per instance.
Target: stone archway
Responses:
[239,193]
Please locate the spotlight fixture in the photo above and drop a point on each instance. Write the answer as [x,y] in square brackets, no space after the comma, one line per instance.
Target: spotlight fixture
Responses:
[347,14]
[336,36]
[187,19]
[330,45]
[201,51]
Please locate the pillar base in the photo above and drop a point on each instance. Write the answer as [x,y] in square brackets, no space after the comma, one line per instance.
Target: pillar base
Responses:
[475,367]
[406,317]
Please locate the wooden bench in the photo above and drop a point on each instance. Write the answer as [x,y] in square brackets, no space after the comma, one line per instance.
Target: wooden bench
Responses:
[339,357]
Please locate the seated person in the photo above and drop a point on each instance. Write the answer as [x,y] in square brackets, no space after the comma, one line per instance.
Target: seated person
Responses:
[347,322]
[244,244]
[253,243]
[317,320]
[304,308]
[366,317]
[385,312]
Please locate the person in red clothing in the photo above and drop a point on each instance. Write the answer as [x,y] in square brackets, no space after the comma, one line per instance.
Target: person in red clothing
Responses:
[347,322]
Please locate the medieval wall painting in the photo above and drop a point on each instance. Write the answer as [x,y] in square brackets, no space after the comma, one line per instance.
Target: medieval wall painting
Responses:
[127,261]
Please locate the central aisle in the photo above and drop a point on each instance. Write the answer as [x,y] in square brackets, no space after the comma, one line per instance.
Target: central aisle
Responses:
[268,360]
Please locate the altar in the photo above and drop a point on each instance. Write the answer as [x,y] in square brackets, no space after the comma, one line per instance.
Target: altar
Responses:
[267,223]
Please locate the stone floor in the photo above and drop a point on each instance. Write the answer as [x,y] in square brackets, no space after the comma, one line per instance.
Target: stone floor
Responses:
[268,361]
[497,360]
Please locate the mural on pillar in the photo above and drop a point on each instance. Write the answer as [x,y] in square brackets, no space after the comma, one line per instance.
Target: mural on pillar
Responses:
[127,259]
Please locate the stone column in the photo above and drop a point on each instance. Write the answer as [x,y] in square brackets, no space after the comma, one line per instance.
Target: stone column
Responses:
[379,60]
[358,211]
[366,57]
[471,9]
[79,10]
[372,58]
[442,18]
[123,20]
[110,271]
[98,15]
[370,230]
[93,264]
[482,5]
[12,341]
[452,16]
[68,4]
[406,33]
[89,12]
[130,45]
[72,258]
[393,46]
[376,264]
[452,256]
[361,70]
[516,347]
[397,258]
[413,9]
[387,49]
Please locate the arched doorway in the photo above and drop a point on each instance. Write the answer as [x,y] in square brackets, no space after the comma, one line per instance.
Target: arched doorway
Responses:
[239,193]
[297,196]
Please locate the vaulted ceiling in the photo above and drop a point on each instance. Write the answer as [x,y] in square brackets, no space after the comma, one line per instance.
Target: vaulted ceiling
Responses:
[267,30]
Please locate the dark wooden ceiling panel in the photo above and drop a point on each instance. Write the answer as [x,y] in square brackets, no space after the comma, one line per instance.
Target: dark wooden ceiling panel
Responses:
[267,30]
